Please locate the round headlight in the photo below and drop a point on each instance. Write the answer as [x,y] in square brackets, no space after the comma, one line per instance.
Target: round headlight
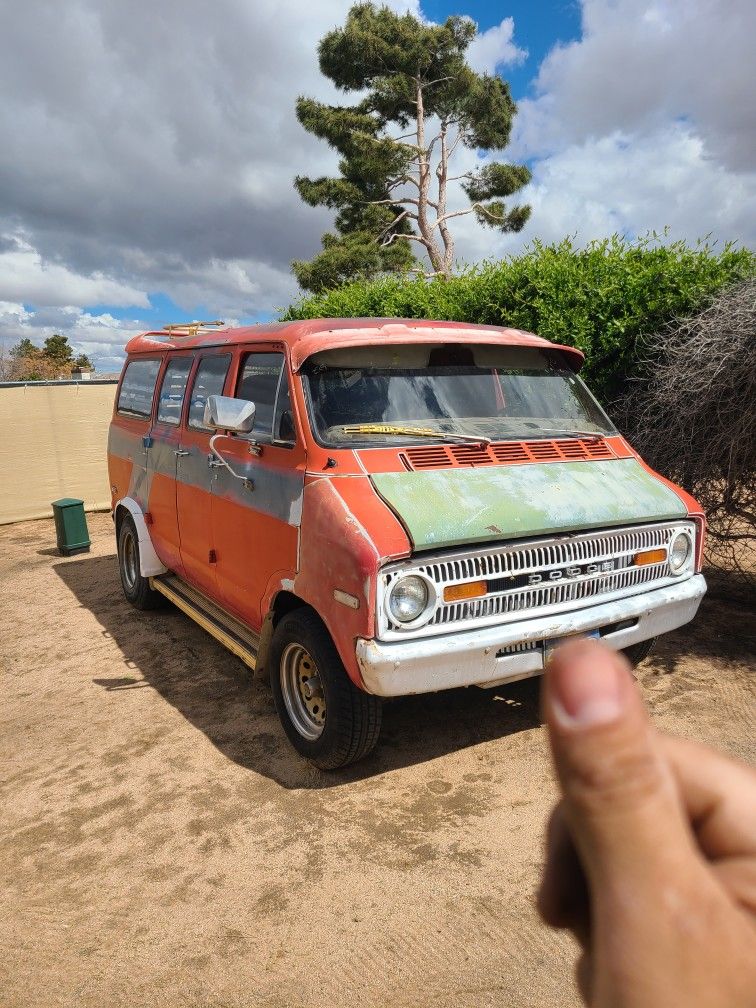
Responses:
[680,550]
[408,598]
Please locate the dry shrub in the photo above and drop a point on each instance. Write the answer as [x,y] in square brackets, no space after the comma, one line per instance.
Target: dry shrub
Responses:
[693,418]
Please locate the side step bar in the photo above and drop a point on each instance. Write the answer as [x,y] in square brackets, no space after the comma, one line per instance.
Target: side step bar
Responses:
[226,629]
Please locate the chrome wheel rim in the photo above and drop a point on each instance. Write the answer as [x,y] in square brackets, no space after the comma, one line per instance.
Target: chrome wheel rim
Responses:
[129,561]
[303,694]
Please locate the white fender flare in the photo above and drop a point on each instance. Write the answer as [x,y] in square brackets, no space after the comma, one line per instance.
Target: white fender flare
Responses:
[149,561]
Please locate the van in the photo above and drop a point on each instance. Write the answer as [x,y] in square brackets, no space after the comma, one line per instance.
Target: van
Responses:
[370,508]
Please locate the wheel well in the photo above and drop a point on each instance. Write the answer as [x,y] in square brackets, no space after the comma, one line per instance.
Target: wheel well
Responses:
[284,603]
[120,511]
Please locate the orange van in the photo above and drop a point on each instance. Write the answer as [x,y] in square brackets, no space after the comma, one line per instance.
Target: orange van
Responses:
[368,508]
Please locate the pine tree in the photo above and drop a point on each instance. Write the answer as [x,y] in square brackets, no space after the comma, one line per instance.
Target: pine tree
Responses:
[83,363]
[29,363]
[58,350]
[25,348]
[392,193]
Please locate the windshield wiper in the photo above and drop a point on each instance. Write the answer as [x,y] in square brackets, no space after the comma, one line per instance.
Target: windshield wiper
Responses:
[378,428]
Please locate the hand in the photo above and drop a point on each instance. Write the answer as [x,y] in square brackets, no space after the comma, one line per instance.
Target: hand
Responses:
[651,854]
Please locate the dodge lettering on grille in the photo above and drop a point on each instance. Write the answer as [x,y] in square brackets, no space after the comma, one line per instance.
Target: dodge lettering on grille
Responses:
[576,570]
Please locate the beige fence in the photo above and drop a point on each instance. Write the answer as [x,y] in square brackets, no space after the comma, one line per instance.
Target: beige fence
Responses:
[53,444]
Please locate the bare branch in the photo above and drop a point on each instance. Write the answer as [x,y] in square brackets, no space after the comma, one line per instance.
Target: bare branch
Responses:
[393,183]
[438,80]
[397,220]
[457,213]
[455,142]
[392,202]
[401,143]
[692,414]
[462,213]
[409,237]
[432,144]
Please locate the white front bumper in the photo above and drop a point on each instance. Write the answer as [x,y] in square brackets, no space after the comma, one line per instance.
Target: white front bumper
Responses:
[474,658]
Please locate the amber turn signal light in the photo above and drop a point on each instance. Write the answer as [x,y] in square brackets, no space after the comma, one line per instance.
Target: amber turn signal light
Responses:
[471,589]
[650,557]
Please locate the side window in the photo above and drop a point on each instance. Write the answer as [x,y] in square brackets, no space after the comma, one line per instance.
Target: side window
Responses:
[138,387]
[172,390]
[264,382]
[208,380]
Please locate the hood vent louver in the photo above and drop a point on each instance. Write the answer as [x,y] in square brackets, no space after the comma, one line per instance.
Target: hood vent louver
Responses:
[454,456]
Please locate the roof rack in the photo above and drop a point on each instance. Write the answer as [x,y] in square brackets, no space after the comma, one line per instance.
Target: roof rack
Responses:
[191,328]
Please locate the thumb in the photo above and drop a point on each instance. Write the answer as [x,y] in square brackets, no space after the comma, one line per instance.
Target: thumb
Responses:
[620,796]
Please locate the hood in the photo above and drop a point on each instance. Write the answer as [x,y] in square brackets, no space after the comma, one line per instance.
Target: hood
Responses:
[453,507]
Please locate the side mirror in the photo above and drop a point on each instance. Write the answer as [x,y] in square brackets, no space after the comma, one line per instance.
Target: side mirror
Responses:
[225,413]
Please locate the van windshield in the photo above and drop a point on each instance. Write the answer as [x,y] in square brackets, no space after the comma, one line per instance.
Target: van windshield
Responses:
[399,394]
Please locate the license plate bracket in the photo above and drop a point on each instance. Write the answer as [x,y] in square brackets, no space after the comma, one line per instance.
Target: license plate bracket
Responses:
[552,643]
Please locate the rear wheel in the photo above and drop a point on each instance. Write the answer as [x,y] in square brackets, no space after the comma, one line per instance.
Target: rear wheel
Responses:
[636,653]
[135,587]
[326,717]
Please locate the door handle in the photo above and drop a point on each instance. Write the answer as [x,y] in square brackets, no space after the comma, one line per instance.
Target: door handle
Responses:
[179,452]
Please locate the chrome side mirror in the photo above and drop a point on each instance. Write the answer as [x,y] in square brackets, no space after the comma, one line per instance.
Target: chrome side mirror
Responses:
[226,413]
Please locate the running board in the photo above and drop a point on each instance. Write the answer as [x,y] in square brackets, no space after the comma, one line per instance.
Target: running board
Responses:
[226,629]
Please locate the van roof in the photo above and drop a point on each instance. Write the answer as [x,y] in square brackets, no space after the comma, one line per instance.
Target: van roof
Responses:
[309,336]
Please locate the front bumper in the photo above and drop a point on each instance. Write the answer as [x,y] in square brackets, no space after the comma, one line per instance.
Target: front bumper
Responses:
[479,658]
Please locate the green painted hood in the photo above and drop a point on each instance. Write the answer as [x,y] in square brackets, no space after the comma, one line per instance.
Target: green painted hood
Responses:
[451,507]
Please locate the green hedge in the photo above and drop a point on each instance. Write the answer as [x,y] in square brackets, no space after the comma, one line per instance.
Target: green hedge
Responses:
[602,299]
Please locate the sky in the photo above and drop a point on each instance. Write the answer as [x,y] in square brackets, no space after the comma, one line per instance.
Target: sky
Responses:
[149,149]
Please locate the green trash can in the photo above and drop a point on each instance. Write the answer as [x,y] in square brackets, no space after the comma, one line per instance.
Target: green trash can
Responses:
[71,526]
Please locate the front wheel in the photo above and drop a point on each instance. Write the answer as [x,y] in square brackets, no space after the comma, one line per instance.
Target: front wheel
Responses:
[326,718]
[636,653]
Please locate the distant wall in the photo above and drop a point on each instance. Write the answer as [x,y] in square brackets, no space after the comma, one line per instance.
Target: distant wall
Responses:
[53,443]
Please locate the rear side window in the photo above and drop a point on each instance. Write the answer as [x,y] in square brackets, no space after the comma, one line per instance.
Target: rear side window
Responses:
[208,380]
[264,382]
[172,390]
[138,387]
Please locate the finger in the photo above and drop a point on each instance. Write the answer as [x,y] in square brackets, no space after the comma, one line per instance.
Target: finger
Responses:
[584,977]
[737,876]
[719,795]
[620,797]
[563,894]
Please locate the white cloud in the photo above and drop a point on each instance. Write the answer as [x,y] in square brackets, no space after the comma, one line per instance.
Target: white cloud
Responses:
[141,148]
[150,151]
[642,64]
[27,277]
[494,48]
[635,184]
[629,185]
[101,337]
[14,314]
[646,122]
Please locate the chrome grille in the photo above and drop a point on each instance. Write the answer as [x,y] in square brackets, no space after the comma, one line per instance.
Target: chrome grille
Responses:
[540,557]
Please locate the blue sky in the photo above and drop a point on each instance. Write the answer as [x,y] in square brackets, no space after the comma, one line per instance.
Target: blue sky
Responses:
[141,187]
[538,27]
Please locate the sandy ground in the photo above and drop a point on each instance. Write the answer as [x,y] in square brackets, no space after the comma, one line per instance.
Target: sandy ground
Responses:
[162,845]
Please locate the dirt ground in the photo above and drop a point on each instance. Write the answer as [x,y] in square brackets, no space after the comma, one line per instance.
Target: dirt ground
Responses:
[162,844]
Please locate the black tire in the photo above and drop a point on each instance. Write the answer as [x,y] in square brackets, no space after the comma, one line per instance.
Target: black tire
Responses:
[135,587]
[349,720]
[636,653]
